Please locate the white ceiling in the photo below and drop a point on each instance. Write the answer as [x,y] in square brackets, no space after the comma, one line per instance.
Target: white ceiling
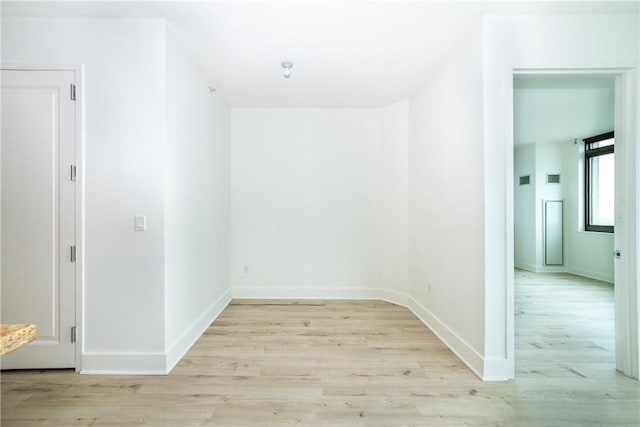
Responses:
[355,53]
[561,109]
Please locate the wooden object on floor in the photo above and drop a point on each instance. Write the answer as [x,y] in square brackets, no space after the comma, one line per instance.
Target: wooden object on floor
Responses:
[15,336]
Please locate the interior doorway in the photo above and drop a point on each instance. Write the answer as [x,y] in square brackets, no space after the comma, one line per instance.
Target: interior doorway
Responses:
[553,114]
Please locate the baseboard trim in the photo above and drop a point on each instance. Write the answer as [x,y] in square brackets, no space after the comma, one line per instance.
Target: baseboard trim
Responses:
[591,274]
[543,268]
[302,293]
[153,363]
[525,267]
[124,364]
[497,370]
[392,297]
[467,354]
[182,345]
[163,363]
[354,293]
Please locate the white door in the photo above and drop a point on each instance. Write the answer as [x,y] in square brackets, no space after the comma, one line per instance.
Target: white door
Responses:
[38,214]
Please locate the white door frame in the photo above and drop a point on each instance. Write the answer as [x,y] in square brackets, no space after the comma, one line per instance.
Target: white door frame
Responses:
[627,228]
[79,194]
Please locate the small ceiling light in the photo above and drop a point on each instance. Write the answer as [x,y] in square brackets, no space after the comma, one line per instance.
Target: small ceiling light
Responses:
[287,65]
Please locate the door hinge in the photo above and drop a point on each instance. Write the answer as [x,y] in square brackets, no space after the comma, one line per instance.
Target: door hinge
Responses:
[73,172]
[73,334]
[73,92]
[73,253]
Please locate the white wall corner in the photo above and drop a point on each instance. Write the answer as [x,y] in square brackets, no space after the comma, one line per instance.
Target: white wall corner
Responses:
[180,347]
[459,346]
[95,363]
[392,297]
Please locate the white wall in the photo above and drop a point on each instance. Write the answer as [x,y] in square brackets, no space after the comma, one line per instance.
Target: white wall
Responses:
[549,160]
[446,200]
[156,144]
[393,228]
[526,244]
[534,43]
[587,254]
[537,160]
[124,63]
[196,202]
[304,205]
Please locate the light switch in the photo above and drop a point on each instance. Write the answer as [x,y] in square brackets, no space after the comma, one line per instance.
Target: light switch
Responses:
[140,223]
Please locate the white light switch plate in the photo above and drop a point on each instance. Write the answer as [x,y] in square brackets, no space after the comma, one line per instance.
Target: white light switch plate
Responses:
[140,223]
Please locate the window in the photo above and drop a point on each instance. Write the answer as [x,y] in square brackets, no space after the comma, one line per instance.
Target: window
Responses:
[599,182]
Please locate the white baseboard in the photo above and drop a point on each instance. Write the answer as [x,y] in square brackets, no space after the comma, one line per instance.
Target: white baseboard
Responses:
[153,363]
[393,297]
[543,268]
[124,364]
[180,347]
[460,347]
[552,269]
[591,274]
[303,293]
[321,293]
[526,267]
[162,363]
[498,370]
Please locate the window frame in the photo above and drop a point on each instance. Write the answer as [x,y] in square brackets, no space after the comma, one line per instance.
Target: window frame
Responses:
[590,153]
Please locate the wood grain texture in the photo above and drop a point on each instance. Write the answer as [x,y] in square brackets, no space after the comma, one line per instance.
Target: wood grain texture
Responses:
[332,363]
[15,336]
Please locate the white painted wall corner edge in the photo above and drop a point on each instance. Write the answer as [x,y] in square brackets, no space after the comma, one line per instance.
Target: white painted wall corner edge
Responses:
[154,363]
[467,354]
[181,346]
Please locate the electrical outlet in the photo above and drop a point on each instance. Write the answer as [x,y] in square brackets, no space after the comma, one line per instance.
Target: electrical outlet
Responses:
[429,287]
[246,268]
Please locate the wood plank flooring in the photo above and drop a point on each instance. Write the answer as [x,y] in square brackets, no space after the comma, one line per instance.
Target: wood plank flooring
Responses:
[336,363]
[564,325]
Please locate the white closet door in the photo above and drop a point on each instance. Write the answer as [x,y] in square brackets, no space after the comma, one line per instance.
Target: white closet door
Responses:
[38,214]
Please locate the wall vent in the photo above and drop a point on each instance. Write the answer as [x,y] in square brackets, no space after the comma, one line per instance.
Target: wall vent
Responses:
[553,178]
[524,180]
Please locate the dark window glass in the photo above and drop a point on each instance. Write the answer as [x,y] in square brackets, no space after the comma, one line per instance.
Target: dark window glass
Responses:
[599,182]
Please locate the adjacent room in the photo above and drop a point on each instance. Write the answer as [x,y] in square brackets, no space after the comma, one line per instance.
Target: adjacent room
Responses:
[564,259]
[310,213]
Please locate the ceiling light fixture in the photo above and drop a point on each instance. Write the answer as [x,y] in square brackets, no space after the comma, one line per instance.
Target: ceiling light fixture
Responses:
[287,65]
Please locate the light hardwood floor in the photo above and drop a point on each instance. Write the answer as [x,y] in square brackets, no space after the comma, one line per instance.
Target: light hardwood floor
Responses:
[349,363]
[564,326]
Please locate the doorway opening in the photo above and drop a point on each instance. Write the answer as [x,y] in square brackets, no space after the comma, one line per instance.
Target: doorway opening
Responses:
[568,314]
